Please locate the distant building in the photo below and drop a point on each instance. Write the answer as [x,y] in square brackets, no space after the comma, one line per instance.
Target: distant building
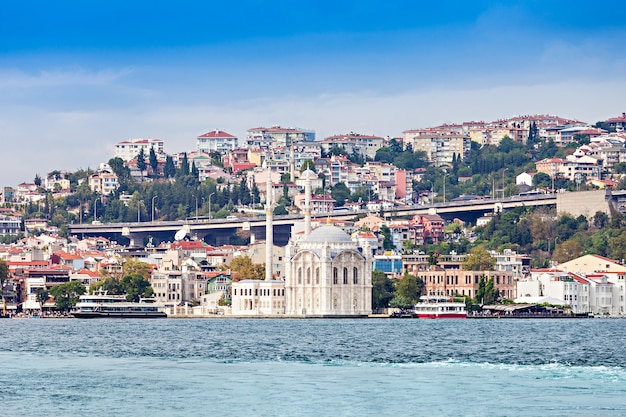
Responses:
[619,122]
[440,146]
[276,136]
[103,182]
[216,141]
[129,149]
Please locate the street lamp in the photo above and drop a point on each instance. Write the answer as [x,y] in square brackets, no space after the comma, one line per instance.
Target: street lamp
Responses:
[444,187]
[196,208]
[211,195]
[153,208]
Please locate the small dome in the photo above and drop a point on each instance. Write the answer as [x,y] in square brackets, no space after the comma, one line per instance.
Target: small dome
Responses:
[330,234]
[308,174]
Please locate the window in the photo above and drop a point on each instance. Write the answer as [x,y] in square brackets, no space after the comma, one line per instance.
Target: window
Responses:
[308,275]
[299,275]
[345,276]
[317,275]
[355,276]
[335,276]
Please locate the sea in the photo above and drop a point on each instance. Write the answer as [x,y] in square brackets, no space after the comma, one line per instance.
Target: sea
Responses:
[297,367]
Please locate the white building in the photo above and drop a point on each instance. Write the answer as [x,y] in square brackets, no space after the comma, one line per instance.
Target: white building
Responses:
[216,141]
[129,149]
[276,136]
[325,274]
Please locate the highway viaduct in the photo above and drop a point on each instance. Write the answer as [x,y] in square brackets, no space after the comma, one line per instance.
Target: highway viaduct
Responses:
[219,231]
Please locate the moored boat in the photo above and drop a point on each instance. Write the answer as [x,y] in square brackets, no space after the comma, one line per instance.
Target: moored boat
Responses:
[431,307]
[102,305]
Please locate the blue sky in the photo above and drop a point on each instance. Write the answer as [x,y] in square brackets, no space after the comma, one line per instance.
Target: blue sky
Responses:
[76,77]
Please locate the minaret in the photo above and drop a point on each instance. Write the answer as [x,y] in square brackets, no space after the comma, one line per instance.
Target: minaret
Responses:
[307,203]
[269,226]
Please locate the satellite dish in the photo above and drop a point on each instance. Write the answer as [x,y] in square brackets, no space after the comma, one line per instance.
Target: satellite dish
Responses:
[180,235]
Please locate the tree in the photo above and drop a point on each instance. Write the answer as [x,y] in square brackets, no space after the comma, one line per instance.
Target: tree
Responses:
[408,291]
[486,294]
[154,162]
[280,210]
[4,274]
[340,193]
[42,296]
[119,169]
[600,219]
[245,269]
[307,164]
[169,169]
[37,180]
[382,290]
[135,267]
[110,285]
[141,161]
[386,232]
[67,294]
[567,251]
[479,259]
[184,165]
[136,287]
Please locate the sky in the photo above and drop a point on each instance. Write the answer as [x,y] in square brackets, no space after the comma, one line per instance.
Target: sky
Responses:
[77,77]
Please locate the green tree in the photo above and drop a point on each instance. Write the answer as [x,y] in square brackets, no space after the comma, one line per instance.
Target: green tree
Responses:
[307,164]
[169,169]
[141,161]
[479,259]
[244,268]
[486,294]
[154,162]
[408,291]
[120,169]
[136,286]
[110,285]
[340,193]
[134,267]
[382,290]
[67,294]
[4,274]
[386,233]
[567,251]
[42,296]
[280,210]
[184,165]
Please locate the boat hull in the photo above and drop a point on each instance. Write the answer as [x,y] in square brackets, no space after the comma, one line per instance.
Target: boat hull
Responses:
[441,316]
[119,315]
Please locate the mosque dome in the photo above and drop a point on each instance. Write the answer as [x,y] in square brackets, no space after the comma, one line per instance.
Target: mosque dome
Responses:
[330,234]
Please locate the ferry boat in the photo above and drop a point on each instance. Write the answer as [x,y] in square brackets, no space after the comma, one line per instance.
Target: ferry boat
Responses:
[102,305]
[440,308]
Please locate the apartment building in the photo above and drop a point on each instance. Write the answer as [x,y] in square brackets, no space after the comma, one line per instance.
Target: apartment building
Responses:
[276,136]
[129,149]
[216,141]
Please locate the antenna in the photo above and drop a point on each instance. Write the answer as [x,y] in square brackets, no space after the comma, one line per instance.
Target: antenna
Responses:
[180,235]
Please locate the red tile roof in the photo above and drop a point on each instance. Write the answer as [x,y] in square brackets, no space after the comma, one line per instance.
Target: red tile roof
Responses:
[216,134]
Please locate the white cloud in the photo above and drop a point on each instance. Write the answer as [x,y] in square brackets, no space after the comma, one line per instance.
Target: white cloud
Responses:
[38,140]
[11,79]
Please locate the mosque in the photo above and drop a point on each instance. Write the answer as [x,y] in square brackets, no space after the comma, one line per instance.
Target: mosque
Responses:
[325,274]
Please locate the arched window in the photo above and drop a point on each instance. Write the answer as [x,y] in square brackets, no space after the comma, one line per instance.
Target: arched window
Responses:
[335,276]
[308,275]
[299,275]
[317,275]
[345,276]
[355,275]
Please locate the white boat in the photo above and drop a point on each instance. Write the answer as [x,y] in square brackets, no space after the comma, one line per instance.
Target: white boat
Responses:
[432,307]
[102,305]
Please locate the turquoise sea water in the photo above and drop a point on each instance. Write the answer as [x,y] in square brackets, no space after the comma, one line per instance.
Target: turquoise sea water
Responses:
[230,367]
